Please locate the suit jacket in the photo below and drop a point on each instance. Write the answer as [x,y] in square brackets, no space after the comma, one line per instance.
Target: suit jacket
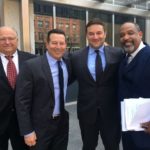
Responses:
[134,82]
[35,96]
[103,94]
[7,93]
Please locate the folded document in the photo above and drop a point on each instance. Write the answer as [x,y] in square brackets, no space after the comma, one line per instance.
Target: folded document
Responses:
[133,112]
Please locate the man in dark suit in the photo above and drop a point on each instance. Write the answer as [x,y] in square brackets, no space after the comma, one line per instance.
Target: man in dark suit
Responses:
[43,121]
[97,105]
[134,79]
[8,120]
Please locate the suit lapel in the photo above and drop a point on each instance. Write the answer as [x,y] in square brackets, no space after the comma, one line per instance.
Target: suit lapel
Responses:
[108,57]
[47,72]
[136,66]
[21,59]
[84,59]
[3,75]
[129,67]
[2,72]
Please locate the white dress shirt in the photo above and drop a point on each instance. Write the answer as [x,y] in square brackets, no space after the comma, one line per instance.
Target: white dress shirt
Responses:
[14,59]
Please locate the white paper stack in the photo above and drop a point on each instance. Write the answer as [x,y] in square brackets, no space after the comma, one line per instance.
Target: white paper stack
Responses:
[134,111]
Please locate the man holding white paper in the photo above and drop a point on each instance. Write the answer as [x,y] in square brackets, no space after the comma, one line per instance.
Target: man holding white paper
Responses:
[134,80]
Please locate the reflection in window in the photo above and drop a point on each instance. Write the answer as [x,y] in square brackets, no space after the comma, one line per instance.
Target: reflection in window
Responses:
[46,24]
[70,18]
[107,19]
[109,1]
[142,23]
[60,25]
[40,23]
[43,22]
[74,27]
[43,8]
[40,36]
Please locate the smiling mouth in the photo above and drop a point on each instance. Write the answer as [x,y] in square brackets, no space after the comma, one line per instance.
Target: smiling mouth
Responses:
[128,44]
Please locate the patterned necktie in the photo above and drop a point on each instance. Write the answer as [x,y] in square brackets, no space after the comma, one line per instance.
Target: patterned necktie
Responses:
[98,65]
[61,86]
[11,72]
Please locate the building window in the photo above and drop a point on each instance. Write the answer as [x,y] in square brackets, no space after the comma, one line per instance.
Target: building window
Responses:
[74,27]
[40,36]
[40,23]
[60,26]
[67,28]
[46,24]
[71,18]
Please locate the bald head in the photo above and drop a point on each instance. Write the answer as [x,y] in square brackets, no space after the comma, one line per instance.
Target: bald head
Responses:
[8,40]
[9,28]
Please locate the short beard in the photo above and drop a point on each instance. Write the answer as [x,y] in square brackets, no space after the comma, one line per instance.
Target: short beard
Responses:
[129,49]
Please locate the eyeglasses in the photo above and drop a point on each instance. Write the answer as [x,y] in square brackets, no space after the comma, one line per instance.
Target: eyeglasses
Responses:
[7,39]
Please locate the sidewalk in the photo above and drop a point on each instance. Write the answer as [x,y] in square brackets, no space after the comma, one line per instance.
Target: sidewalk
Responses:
[75,142]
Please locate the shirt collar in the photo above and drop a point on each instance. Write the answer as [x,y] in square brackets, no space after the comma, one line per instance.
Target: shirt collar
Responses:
[14,54]
[141,46]
[92,50]
[51,60]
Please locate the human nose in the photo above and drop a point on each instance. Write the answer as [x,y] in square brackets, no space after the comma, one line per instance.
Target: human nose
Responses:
[126,36]
[7,41]
[95,35]
[58,45]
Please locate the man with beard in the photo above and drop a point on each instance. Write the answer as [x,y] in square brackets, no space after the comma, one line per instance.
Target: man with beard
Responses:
[134,79]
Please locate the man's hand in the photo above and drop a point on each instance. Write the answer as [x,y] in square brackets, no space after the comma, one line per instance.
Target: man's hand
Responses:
[146,126]
[30,139]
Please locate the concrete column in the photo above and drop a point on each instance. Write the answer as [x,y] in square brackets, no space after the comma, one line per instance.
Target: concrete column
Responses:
[1,12]
[25,25]
[147,35]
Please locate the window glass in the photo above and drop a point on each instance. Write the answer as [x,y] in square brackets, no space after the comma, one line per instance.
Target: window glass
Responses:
[72,21]
[142,23]
[43,22]
[40,23]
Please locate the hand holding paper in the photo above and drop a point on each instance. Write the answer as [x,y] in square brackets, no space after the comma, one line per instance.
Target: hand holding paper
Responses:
[146,126]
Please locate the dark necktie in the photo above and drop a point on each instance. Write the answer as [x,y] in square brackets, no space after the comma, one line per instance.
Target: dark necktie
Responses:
[98,65]
[11,72]
[129,58]
[61,86]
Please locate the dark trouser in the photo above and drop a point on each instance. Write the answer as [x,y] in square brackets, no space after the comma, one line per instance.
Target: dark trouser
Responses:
[55,136]
[129,141]
[90,133]
[12,134]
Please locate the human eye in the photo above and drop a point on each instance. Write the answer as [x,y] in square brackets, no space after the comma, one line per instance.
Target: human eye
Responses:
[2,39]
[91,34]
[54,43]
[130,33]
[11,38]
[62,43]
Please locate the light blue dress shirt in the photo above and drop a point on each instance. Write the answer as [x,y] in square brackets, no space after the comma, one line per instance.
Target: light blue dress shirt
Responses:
[91,60]
[54,70]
